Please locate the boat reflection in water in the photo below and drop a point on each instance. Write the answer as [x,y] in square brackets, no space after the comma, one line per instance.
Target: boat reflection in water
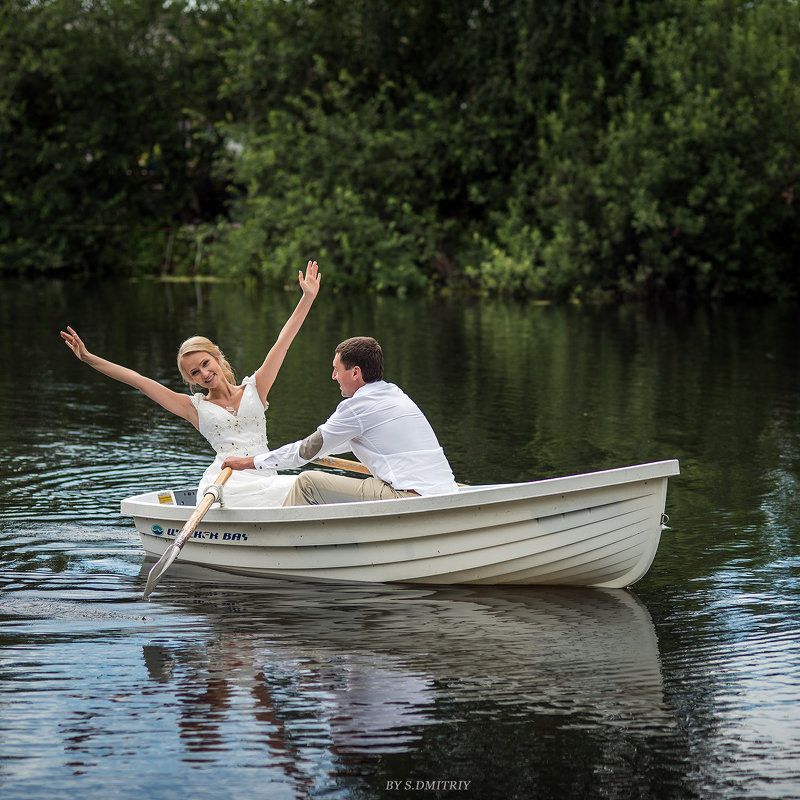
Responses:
[366,667]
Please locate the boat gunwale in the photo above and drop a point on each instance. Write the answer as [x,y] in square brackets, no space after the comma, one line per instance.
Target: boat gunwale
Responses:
[146,504]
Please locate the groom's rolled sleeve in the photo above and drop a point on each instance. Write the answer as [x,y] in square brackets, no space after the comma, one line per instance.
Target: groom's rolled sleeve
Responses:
[333,436]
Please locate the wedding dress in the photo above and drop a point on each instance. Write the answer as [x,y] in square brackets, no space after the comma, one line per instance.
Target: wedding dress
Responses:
[243,433]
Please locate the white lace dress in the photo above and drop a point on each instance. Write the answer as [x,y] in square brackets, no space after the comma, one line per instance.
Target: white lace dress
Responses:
[243,434]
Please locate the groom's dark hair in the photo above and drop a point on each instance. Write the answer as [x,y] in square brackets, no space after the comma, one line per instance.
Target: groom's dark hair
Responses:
[364,352]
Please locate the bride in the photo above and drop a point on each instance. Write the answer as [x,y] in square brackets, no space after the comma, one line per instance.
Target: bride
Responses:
[229,415]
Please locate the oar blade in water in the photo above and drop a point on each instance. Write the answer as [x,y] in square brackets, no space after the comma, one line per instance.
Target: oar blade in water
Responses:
[159,568]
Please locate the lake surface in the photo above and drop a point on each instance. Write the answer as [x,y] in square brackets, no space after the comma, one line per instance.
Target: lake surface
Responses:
[688,686]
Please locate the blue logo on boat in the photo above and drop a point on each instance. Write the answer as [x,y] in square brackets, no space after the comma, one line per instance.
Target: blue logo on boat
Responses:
[158,530]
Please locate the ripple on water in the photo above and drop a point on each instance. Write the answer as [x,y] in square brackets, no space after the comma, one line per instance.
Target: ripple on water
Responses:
[740,650]
[49,489]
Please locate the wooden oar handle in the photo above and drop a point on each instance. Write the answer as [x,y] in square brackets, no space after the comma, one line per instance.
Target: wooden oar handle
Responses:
[208,500]
[342,463]
[223,476]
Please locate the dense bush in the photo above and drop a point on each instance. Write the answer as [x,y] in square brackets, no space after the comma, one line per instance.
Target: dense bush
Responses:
[106,144]
[573,149]
[682,183]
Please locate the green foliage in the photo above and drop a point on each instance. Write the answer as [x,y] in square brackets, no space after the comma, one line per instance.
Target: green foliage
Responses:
[680,183]
[100,137]
[563,149]
[340,184]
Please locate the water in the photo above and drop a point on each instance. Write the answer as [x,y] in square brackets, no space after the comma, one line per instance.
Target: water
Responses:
[685,687]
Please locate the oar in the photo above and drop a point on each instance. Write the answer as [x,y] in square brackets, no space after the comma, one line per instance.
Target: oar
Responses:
[344,463]
[172,552]
[341,463]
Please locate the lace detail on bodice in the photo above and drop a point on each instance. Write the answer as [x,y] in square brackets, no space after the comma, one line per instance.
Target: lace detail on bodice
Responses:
[244,434]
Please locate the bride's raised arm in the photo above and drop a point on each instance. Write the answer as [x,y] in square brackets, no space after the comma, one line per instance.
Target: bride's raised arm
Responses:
[268,371]
[177,403]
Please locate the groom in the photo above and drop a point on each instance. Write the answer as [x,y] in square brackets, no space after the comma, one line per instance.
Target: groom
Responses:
[379,423]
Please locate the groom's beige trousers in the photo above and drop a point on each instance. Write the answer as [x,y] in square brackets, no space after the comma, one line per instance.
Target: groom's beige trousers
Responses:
[314,487]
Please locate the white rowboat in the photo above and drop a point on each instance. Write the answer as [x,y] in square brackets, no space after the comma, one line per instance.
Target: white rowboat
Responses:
[596,529]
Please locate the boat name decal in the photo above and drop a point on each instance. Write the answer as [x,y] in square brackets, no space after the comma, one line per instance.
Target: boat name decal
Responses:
[225,536]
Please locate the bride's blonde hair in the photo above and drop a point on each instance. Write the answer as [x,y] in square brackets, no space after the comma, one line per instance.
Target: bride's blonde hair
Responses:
[200,344]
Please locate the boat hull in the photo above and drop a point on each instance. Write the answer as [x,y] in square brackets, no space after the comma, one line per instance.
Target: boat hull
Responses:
[597,529]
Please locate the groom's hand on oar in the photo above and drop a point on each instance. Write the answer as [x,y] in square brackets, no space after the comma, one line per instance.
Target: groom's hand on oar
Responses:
[236,462]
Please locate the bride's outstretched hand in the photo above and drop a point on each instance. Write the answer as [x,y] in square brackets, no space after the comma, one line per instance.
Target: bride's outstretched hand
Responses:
[73,341]
[309,282]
